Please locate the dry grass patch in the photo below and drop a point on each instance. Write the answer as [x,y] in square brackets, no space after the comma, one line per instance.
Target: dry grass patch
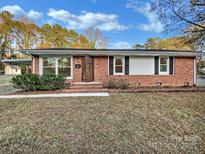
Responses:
[146,122]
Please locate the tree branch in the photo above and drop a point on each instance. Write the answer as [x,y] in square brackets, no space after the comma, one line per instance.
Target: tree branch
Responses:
[198,4]
[193,23]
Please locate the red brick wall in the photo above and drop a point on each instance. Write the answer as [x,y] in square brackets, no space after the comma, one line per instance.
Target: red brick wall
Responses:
[100,69]
[77,72]
[183,72]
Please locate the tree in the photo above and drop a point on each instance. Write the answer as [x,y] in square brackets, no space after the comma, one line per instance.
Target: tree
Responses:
[175,43]
[184,16]
[152,43]
[95,37]
[26,34]
[6,31]
[138,46]
[54,35]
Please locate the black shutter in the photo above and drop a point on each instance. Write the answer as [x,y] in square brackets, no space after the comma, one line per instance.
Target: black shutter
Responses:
[127,65]
[110,65]
[171,65]
[156,65]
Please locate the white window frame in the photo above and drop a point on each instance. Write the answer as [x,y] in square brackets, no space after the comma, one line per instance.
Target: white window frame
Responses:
[56,66]
[123,65]
[167,72]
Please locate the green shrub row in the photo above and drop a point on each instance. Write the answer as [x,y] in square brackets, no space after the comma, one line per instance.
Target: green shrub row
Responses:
[114,83]
[33,82]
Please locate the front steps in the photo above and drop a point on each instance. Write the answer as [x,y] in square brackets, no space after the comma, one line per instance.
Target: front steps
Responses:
[86,87]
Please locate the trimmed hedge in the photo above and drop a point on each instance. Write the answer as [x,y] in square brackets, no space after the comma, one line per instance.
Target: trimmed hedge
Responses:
[33,82]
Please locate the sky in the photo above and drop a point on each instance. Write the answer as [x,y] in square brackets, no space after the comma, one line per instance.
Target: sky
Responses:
[123,22]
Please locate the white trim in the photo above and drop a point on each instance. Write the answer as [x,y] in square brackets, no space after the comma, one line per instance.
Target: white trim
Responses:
[56,66]
[123,65]
[167,72]
[40,66]
[195,72]
[71,69]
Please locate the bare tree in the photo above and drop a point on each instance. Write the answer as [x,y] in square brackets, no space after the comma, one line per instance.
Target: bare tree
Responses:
[184,16]
[95,38]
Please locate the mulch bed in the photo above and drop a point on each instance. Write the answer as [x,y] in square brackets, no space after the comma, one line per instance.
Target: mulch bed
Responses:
[159,89]
[130,90]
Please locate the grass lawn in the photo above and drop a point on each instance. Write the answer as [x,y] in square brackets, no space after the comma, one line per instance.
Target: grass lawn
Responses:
[121,123]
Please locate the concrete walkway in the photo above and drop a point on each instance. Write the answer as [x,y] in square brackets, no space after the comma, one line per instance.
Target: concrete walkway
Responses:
[103,94]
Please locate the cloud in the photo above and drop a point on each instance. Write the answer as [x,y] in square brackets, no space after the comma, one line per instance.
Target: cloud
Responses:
[144,8]
[13,9]
[105,22]
[34,15]
[17,11]
[120,45]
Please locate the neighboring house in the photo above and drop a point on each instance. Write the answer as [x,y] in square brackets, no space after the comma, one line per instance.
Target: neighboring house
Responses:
[12,66]
[144,67]
[12,69]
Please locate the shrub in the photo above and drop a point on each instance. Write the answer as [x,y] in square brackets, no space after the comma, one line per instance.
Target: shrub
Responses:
[27,82]
[52,82]
[117,83]
[33,82]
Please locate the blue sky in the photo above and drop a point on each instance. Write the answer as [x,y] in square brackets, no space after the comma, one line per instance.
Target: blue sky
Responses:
[123,22]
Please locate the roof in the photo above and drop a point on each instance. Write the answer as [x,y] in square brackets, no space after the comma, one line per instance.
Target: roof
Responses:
[17,61]
[109,52]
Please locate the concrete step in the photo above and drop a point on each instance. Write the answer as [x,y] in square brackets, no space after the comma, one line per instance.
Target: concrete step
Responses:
[84,90]
[86,87]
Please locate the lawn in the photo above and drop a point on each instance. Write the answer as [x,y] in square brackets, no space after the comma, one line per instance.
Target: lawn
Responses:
[121,123]
[6,85]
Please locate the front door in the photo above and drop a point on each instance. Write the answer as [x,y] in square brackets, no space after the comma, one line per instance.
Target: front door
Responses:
[88,69]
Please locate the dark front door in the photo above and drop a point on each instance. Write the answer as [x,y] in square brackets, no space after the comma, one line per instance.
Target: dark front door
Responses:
[88,69]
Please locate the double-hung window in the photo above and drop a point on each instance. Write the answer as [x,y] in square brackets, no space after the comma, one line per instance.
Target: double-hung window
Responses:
[163,65]
[64,66]
[119,65]
[49,65]
[58,66]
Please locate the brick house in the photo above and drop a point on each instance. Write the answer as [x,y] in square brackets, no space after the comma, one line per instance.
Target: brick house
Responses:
[138,66]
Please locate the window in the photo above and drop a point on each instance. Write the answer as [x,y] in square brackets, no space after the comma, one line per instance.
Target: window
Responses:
[64,68]
[49,65]
[164,65]
[119,65]
[58,66]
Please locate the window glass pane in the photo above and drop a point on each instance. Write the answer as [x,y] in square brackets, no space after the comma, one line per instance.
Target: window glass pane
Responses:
[163,60]
[118,61]
[163,68]
[48,65]
[65,72]
[64,64]
[118,69]
[48,70]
